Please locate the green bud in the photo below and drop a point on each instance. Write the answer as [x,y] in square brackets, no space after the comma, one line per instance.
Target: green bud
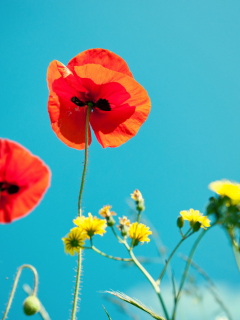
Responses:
[196,226]
[31,305]
[180,222]
[140,205]
[124,230]
[110,221]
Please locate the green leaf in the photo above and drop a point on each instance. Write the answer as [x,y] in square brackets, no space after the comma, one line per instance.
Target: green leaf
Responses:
[107,313]
[135,303]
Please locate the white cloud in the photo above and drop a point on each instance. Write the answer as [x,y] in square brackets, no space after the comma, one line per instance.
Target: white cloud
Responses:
[199,305]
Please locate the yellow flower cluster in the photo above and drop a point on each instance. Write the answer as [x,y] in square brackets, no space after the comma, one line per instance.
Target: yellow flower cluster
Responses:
[86,228]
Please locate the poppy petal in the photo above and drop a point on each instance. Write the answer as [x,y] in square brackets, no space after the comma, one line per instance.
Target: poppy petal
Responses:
[115,127]
[68,120]
[19,167]
[103,57]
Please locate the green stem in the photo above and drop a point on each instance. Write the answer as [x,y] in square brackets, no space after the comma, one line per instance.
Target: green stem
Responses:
[79,265]
[78,275]
[85,162]
[109,256]
[184,276]
[150,279]
[184,237]
[116,235]
[35,288]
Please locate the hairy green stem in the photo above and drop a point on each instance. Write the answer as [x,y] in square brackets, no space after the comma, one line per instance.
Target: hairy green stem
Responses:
[35,287]
[150,279]
[78,276]
[79,264]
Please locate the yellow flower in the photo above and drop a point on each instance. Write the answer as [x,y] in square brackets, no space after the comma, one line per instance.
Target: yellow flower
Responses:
[139,233]
[194,216]
[227,188]
[106,213]
[92,225]
[136,195]
[74,240]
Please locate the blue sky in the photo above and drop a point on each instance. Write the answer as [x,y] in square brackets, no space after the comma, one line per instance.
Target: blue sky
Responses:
[186,55]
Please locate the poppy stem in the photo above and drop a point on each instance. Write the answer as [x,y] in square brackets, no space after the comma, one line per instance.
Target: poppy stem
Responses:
[15,283]
[79,263]
[85,162]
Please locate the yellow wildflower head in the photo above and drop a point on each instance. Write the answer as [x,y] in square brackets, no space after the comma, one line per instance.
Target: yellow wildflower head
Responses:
[194,216]
[138,232]
[106,213]
[92,225]
[74,240]
[228,189]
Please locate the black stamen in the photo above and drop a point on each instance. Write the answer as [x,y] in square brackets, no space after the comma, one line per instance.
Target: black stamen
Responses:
[9,188]
[13,189]
[103,104]
[78,102]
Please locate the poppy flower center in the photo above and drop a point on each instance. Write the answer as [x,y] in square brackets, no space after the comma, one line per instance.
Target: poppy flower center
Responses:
[101,104]
[9,188]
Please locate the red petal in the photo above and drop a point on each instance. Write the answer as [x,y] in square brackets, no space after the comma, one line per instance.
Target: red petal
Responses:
[18,166]
[67,119]
[113,128]
[103,57]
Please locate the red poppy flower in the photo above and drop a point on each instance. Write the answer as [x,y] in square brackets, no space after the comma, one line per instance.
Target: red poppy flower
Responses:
[100,79]
[24,179]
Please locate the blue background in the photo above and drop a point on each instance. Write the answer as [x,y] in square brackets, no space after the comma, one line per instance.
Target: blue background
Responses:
[186,55]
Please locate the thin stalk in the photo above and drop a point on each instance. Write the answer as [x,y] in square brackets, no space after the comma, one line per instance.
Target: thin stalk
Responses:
[109,256]
[150,279]
[184,276]
[116,235]
[85,162]
[35,287]
[79,262]
[184,237]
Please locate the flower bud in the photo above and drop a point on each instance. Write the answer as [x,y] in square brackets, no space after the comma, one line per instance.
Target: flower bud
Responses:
[31,305]
[124,230]
[137,197]
[110,221]
[196,226]
[180,222]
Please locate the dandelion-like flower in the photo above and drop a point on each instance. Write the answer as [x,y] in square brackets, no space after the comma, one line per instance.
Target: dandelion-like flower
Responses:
[194,216]
[74,240]
[101,80]
[138,232]
[92,225]
[227,188]
[106,212]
